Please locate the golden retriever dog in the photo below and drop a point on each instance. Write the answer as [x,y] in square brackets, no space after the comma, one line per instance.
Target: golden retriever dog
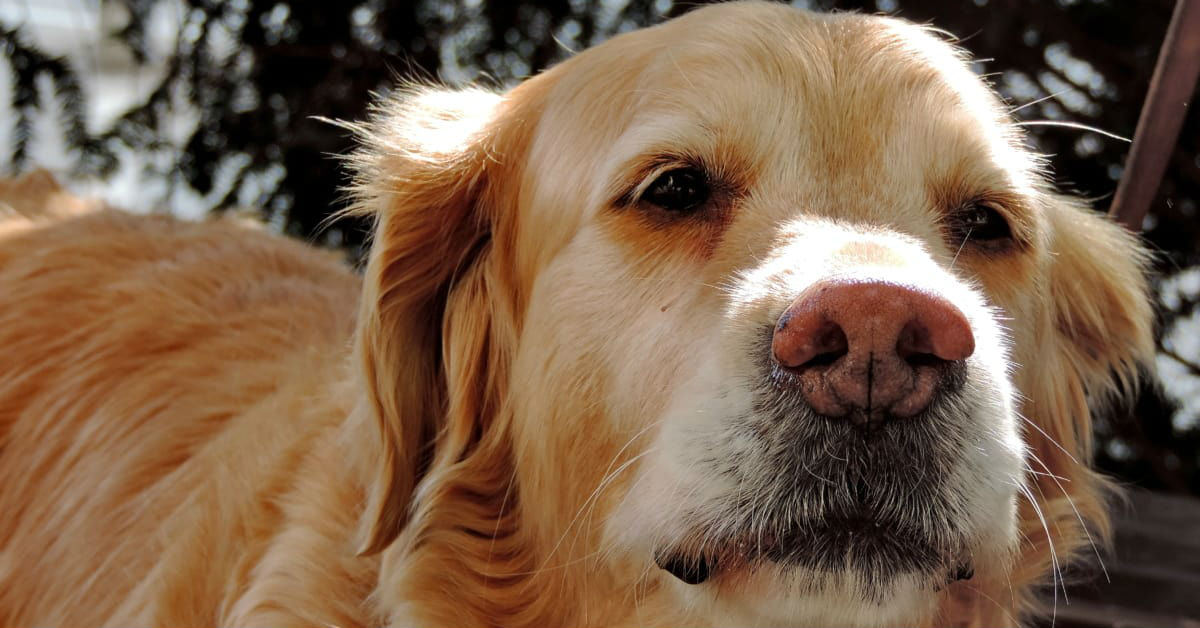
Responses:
[756,317]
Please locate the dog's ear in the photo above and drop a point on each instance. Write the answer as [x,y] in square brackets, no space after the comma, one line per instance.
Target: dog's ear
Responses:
[1094,340]
[430,172]
[1102,305]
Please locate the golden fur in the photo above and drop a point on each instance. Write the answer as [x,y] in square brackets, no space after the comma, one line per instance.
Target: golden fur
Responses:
[184,442]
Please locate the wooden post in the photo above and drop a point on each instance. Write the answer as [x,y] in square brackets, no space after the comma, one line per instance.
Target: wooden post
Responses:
[1162,115]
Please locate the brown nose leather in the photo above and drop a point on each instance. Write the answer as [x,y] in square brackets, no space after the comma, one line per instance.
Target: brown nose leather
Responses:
[869,349]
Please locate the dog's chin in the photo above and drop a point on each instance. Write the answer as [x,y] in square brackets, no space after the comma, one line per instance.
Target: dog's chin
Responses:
[875,553]
[777,594]
[854,571]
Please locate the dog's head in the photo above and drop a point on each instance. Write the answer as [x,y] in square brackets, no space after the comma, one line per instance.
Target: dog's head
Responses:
[758,315]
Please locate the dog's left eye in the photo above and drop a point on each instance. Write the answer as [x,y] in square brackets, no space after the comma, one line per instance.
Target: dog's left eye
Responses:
[980,222]
[679,190]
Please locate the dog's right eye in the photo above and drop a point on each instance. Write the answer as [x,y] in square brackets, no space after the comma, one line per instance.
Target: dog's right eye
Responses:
[982,224]
[679,190]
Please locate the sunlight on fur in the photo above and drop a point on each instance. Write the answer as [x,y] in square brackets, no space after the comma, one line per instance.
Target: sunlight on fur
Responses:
[756,317]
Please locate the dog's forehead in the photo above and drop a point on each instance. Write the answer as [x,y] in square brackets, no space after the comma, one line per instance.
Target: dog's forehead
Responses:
[776,85]
[808,71]
[724,58]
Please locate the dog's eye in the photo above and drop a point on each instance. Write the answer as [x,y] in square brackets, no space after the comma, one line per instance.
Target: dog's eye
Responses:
[980,222]
[679,190]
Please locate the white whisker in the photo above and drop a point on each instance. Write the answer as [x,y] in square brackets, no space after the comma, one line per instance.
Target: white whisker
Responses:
[1082,523]
[1039,100]
[1048,437]
[1073,125]
[1056,572]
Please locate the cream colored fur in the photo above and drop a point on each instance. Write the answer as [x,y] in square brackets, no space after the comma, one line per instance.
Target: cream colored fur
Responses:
[204,424]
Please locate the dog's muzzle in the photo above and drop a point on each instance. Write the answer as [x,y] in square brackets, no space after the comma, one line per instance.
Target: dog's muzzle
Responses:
[857,426]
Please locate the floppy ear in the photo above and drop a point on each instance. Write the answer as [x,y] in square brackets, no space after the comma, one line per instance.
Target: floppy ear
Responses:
[1102,304]
[1094,341]
[428,172]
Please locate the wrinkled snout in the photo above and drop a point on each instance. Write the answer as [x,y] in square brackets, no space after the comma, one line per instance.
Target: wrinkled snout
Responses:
[869,349]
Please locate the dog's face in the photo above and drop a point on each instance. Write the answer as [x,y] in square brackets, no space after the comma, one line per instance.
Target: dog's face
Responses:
[785,197]
[756,316]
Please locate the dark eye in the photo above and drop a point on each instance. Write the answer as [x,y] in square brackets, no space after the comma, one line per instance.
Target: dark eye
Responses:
[980,222]
[679,190]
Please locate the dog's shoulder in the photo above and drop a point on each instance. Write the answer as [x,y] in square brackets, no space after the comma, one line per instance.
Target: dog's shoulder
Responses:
[135,348]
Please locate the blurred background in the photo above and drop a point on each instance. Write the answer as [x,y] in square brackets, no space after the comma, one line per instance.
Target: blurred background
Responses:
[200,106]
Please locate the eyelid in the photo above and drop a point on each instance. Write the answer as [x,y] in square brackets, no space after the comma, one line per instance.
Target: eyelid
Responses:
[645,172]
[1011,207]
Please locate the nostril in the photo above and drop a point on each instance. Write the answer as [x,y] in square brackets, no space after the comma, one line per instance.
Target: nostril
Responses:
[916,360]
[809,340]
[830,344]
[915,346]
[938,330]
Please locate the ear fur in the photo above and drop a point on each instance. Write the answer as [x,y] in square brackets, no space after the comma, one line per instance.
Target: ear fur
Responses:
[1103,311]
[428,172]
[1096,339]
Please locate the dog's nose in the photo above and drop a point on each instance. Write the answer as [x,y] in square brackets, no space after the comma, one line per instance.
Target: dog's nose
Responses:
[869,349]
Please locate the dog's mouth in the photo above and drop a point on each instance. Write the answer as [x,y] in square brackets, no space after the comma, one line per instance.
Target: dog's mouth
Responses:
[873,519]
[875,550]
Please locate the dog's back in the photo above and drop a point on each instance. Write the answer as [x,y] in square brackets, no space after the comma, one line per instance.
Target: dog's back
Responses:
[148,365]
